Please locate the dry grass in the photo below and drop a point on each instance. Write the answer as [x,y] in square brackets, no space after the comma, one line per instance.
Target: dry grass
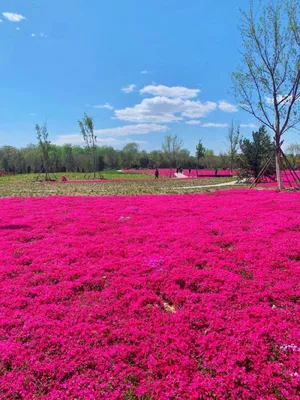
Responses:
[107,188]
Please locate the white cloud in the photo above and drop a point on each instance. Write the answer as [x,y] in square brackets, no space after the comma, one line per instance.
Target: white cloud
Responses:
[129,88]
[207,124]
[17,29]
[1,21]
[173,92]
[227,107]
[107,106]
[76,139]
[165,110]
[33,114]
[111,136]
[252,126]
[139,129]
[43,35]
[145,72]
[280,97]
[269,100]
[13,17]
[214,125]
[33,34]
[193,122]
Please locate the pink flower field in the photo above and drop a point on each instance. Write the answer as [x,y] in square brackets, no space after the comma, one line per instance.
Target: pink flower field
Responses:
[152,297]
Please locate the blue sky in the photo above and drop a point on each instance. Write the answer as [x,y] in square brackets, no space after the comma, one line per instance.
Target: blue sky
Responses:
[142,69]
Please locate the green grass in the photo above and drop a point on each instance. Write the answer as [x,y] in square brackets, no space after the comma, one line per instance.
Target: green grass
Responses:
[108,188]
[72,176]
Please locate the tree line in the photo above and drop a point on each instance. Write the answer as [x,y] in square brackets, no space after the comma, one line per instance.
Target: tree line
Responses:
[248,153]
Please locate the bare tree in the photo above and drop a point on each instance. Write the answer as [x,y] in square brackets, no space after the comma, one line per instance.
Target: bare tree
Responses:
[44,144]
[90,139]
[172,147]
[233,139]
[267,81]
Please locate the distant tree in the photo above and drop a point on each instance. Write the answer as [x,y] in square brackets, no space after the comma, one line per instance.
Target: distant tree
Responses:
[156,159]
[293,153]
[233,139]
[255,152]
[172,147]
[86,126]
[111,158]
[68,157]
[45,147]
[223,160]
[130,152]
[184,158]
[267,81]
[200,153]
[32,157]
[100,163]
[208,156]
[143,159]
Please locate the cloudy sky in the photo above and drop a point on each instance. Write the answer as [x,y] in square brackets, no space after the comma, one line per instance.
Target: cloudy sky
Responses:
[142,69]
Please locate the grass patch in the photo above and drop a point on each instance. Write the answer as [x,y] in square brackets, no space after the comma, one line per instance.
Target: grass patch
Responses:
[73,176]
[107,188]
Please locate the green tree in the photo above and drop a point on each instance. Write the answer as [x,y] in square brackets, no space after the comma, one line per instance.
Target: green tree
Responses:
[86,126]
[200,153]
[233,140]
[267,81]
[45,147]
[293,153]
[172,147]
[130,152]
[68,157]
[209,156]
[256,152]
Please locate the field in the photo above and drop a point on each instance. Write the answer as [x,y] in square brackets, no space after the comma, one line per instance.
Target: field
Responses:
[150,297]
[72,176]
[115,184]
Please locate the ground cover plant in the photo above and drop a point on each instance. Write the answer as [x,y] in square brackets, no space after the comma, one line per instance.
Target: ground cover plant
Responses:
[150,297]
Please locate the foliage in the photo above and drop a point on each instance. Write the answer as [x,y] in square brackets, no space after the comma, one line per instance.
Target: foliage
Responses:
[172,146]
[90,139]
[293,153]
[233,140]
[200,151]
[130,154]
[267,83]
[69,158]
[255,153]
[107,298]
[44,145]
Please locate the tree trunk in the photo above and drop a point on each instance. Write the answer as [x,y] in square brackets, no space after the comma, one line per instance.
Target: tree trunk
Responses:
[46,171]
[278,168]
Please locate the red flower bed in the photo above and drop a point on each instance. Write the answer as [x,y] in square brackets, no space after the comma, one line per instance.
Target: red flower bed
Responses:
[155,297]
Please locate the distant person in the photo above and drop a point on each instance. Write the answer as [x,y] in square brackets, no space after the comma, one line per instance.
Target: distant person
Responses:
[156,173]
[177,170]
[216,171]
[190,170]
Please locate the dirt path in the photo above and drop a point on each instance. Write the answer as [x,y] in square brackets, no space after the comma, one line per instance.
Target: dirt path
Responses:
[179,175]
[207,186]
